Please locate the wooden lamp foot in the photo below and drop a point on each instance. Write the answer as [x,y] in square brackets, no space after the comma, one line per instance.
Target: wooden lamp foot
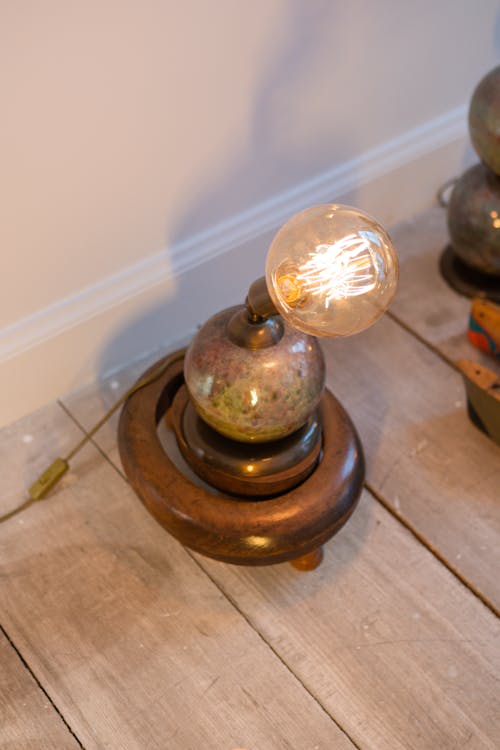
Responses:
[310,561]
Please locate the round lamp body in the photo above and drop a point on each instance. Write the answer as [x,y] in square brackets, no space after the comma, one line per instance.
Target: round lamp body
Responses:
[484,119]
[332,270]
[474,219]
[253,395]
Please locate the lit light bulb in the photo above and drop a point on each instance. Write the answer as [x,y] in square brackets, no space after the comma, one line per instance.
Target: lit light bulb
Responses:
[332,270]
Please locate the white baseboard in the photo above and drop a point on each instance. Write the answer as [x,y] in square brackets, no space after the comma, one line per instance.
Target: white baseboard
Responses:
[86,336]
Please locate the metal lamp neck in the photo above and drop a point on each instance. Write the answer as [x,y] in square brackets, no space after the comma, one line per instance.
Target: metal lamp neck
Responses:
[258,302]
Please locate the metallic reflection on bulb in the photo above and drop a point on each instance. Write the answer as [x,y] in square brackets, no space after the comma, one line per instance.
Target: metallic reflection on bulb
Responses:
[332,270]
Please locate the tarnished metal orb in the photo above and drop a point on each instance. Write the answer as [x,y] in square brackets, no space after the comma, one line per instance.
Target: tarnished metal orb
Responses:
[484,119]
[474,219]
[253,395]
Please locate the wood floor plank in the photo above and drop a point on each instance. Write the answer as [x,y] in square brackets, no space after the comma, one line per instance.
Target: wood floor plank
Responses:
[424,300]
[136,646]
[89,404]
[436,470]
[28,721]
[27,447]
[383,635]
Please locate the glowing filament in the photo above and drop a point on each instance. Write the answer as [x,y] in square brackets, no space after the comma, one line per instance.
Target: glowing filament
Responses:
[342,269]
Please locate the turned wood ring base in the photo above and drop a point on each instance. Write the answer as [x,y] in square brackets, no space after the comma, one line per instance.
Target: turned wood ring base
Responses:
[244,531]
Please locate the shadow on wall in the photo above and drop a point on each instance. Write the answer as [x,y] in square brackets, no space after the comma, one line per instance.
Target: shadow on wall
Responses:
[224,280]
[266,157]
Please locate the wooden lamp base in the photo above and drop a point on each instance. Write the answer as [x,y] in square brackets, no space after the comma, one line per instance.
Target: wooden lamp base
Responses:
[261,530]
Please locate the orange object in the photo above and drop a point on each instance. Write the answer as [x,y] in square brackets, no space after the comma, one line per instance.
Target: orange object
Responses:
[484,326]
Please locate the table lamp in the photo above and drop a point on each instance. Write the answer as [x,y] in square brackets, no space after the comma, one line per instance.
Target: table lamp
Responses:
[279,458]
[471,263]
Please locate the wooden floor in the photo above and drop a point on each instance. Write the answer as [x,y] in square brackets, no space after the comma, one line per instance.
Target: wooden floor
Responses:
[114,636]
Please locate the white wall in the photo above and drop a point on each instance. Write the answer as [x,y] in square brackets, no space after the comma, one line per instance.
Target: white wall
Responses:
[140,139]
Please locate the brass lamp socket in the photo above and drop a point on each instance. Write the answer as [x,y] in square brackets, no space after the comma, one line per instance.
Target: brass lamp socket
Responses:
[258,302]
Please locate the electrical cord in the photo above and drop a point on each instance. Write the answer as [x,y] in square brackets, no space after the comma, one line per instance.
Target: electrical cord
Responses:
[442,193]
[53,473]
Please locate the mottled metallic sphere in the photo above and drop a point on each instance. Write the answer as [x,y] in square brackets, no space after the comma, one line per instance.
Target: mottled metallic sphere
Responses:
[253,395]
[474,219]
[484,119]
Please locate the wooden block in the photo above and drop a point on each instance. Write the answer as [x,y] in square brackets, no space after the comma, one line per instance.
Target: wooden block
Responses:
[382,635]
[482,386]
[28,720]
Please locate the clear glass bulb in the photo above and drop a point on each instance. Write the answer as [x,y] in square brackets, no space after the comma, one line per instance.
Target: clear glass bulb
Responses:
[332,270]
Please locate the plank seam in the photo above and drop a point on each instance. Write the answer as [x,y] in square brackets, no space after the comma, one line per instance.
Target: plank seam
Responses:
[431,347]
[433,550]
[39,684]
[272,649]
[92,441]
[381,499]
